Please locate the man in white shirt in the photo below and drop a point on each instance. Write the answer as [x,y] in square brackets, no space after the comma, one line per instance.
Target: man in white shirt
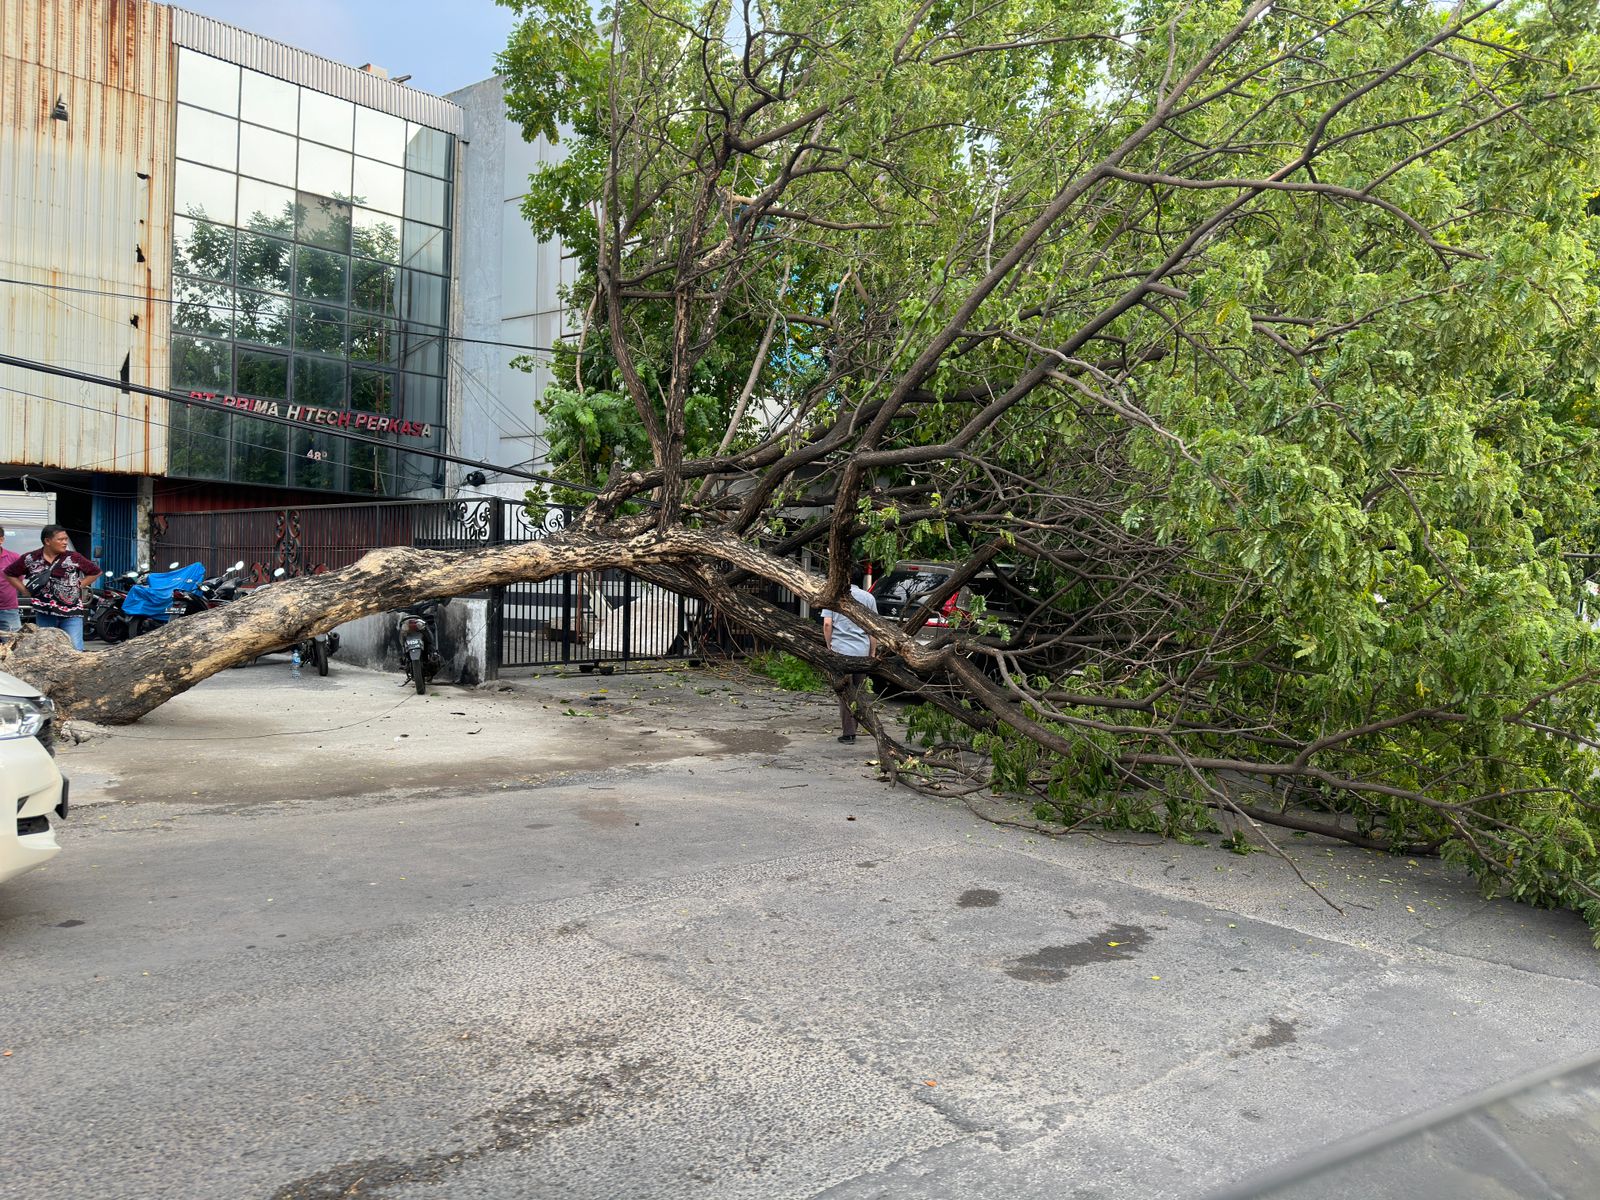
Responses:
[844,636]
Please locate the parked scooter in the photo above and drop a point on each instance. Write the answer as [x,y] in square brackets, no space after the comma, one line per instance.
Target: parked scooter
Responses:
[315,650]
[104,619]
[419,642]
[162,596]
[213,592]
[318,649]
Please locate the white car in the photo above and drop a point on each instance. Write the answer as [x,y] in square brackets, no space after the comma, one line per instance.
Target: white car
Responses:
[30,783]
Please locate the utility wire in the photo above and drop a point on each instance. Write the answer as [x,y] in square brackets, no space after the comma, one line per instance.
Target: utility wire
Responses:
[27,364]
[396,478]
[412,326]
[483,389]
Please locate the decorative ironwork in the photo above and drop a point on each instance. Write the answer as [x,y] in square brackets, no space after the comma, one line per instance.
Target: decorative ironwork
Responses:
[289,544]
[473,517]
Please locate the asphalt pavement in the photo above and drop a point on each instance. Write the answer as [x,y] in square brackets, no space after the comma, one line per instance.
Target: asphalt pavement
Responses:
[668,939]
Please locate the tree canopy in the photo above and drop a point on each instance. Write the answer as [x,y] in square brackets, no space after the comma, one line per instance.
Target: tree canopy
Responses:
[1253,345]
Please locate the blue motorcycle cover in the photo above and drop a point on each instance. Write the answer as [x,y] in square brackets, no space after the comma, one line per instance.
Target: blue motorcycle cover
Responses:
[153,599]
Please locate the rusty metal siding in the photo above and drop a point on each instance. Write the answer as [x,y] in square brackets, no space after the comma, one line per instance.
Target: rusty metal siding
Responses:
[210,36]
[86,208]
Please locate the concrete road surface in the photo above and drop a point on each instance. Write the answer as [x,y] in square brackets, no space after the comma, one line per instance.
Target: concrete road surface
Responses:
[325,939]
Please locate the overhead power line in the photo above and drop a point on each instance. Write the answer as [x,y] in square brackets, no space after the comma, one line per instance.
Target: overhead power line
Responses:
[27,364]
[122,463]
[172,300]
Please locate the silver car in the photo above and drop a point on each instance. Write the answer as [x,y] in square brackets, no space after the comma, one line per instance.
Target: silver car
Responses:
[30,783]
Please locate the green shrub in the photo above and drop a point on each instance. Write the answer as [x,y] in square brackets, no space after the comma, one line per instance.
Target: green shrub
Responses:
[788,672]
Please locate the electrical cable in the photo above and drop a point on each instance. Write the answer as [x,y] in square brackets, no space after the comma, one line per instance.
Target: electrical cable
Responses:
[173,300]
[26,364]
[396,478]
[248,737]
[483,389]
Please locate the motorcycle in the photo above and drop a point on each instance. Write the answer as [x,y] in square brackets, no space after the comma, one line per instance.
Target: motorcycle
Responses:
[213,592]
[105,618]
[315,650]
[162,596]
[419,642]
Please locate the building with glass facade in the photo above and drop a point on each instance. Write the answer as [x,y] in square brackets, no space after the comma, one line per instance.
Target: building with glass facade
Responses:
[200,212]
[311,256]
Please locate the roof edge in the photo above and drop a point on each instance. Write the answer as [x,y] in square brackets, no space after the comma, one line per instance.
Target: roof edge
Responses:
[207,35]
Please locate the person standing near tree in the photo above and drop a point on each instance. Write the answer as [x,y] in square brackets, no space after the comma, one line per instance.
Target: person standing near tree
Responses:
[844,636]
[54,576]
[10,612]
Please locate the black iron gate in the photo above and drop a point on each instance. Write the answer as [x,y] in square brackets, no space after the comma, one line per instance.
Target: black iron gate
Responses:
[585,617]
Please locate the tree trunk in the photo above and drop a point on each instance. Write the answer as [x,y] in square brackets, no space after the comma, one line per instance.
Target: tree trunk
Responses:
[119,684]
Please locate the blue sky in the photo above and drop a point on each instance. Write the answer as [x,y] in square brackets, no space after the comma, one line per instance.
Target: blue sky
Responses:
[442,44]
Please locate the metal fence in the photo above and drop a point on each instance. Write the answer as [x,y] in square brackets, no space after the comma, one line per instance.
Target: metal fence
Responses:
[310,540]
[584,618]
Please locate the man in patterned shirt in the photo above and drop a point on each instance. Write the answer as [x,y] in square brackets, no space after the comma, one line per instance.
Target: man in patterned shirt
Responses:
[55,576]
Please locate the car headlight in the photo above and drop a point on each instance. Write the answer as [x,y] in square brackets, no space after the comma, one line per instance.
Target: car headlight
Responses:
[24,716]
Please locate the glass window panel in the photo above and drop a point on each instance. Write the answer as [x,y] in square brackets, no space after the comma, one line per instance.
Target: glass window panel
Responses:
[201,366]
[208,138]
[416,474]
[379,186]
[324,222]
[262,318]
[372,286]
[380,136]
[264,262]
[266,206]
[258,451]
[422,247]
[373,339]
[371,390]
[421,398]
[319,381]
[318,327]
[422,299]
[208,82]
[427,150]
[201,248]
[268,101]
[199,440]
[427,199]
[202,307]
[267,155]
[424,354]
[263,374]
[315,458]
[321,275]
[323,171]
[371,469]
[326,119]
[377,235]
[203,192]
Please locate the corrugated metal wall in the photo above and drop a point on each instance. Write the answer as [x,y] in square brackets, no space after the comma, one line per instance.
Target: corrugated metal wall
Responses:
[85,210]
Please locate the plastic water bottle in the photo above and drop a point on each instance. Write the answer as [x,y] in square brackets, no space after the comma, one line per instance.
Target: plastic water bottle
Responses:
[294,664]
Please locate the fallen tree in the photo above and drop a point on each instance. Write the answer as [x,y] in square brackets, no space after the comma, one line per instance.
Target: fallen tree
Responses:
[1250,350]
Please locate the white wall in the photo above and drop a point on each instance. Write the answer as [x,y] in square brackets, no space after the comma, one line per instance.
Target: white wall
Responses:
[508,293]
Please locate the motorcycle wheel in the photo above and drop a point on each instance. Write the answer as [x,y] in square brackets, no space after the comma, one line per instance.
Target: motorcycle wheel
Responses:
[419,676]
[140,626]
[319,655]
[111,627]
